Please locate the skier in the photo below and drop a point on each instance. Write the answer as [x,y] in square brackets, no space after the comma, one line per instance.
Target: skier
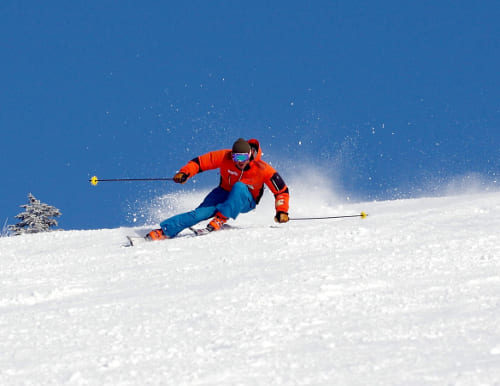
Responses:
[243,175]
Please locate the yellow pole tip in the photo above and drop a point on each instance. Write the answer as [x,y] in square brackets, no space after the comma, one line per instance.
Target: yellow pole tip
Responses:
[363,215]
[94,180]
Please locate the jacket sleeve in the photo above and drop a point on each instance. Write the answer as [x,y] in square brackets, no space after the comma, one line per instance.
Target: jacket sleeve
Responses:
[207,161]
[280,191]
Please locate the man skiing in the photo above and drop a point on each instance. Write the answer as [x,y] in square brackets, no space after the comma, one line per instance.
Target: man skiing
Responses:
[243,175]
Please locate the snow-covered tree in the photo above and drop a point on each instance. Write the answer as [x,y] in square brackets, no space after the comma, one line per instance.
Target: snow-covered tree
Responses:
[37,217]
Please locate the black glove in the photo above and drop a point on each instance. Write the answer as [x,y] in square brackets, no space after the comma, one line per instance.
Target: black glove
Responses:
[181,177]
[281,217]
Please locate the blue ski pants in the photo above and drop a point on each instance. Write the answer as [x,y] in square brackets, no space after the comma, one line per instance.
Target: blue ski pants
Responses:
[230,204]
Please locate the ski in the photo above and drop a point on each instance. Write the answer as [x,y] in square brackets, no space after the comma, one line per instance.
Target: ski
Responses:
[200,231]
[138,240]
[134,240]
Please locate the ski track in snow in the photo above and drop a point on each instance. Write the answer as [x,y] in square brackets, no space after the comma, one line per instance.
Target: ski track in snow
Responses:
[410,295]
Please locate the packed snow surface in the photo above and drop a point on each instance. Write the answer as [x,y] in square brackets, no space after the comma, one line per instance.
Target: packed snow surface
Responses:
[408,296]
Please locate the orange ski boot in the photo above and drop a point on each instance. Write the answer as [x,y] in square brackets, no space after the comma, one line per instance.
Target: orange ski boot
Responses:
[217,222]
[156,234]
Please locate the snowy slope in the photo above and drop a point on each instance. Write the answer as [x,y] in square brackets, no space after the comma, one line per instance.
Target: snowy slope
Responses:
[408,296]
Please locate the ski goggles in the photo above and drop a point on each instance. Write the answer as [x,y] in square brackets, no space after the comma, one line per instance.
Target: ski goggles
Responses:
[240,157]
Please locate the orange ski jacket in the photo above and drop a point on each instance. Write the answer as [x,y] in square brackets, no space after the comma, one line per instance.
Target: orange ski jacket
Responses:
[255,175]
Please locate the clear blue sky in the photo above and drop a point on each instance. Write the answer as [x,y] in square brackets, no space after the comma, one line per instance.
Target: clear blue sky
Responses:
[393,98]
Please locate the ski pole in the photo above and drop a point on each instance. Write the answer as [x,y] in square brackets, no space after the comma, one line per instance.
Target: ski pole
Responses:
[362,215]
[94,180]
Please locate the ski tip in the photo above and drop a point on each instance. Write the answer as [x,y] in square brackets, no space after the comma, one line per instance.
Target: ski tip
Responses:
[130,241]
